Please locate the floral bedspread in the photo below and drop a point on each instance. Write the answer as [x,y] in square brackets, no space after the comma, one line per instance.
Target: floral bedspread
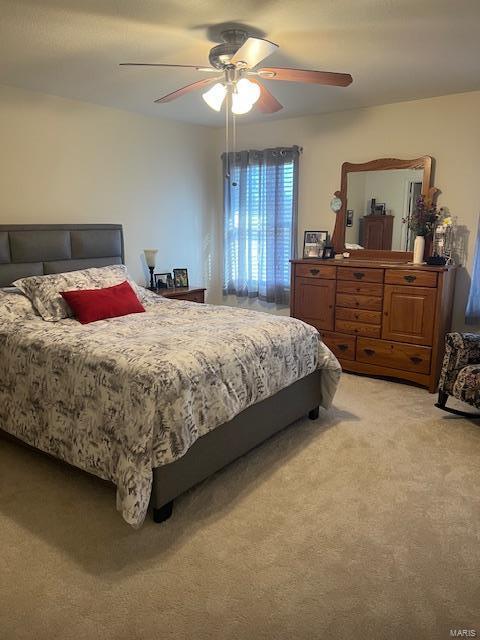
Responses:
[122,396]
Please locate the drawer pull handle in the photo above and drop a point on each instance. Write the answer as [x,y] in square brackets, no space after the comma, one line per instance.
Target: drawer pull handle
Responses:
[359,275]
[314,271]
[343,347]
[416,359]
[410,278]
[369,352]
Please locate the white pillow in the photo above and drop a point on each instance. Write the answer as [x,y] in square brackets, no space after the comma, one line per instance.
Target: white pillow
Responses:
[44,291]
[15,306]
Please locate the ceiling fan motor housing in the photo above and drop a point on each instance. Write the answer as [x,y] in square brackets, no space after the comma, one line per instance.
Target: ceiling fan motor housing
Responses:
[221,55]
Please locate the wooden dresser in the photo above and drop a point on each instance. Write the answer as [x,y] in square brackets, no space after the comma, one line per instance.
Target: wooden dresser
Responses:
[378,318]
[191,294]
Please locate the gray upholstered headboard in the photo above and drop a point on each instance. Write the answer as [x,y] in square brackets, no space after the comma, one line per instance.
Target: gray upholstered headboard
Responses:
[39,249]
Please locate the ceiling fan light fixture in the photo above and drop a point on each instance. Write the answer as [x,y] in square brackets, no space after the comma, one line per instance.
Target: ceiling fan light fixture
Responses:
[244,96]
[250,91]
[215,96]
[240,104]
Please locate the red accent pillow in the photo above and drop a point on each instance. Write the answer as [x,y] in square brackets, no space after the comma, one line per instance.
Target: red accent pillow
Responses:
[90,305]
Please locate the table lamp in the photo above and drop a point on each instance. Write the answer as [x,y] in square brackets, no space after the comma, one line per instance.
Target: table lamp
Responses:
[150,257]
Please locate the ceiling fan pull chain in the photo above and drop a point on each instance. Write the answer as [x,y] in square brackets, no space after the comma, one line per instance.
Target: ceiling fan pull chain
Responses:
[234,145]
[227,137]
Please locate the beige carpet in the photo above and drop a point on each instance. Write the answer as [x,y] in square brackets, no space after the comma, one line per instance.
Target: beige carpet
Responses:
[363,525]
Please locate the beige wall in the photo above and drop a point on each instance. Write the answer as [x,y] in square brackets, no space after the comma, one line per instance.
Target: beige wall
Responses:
[73,162]
[447,128]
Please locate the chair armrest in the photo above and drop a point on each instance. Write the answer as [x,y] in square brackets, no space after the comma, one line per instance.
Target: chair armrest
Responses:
[461,349]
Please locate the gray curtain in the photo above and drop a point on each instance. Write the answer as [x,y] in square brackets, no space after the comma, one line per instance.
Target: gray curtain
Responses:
[260,222]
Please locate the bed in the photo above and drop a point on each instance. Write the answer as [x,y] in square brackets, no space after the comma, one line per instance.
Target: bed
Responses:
[154,402]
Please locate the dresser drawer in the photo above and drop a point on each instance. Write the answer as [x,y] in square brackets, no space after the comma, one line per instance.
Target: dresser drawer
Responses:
[315,270]
[358,328]
[341,345]
[183,293]
[394,355]
[359,315]
[411,277]
[358,274]
[365,289]
[359,302]
[195,297]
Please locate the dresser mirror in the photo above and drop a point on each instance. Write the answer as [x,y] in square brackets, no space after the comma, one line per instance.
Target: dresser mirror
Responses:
[377,198]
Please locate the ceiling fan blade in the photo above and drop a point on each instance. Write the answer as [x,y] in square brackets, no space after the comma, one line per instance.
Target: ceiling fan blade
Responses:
[171,66]
[187,89]
[253,51]
[267,103]
[306,76]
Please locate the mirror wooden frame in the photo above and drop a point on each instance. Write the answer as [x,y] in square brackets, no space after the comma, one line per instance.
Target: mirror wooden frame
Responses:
[381,164]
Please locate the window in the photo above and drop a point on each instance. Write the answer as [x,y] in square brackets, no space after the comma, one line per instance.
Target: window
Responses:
[260,212]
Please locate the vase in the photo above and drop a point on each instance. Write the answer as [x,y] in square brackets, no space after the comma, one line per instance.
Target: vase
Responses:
[418,250]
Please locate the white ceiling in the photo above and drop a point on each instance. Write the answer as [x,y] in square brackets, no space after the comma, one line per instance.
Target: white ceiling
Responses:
[395,49]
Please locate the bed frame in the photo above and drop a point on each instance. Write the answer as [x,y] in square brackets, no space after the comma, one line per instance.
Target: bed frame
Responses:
[27,250]
[40,249]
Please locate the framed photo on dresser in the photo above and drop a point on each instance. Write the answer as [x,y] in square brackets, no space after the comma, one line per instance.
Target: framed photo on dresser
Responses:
[313,243]
[180,278]
[161,280]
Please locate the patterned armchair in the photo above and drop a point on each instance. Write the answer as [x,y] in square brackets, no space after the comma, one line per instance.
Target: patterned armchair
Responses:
[460,375]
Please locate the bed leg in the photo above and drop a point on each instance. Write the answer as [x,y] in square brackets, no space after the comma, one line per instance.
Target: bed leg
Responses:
[314,413]
[164,513]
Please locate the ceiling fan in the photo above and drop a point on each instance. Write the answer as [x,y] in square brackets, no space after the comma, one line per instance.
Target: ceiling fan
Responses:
[237,81]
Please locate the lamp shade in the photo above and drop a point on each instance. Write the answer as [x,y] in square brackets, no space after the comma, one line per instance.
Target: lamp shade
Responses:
[250,91]
[150,256]
[215,96]
[240,105]
[245,95]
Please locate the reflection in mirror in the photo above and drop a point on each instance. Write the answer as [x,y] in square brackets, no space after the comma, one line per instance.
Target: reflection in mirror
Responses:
[379,204]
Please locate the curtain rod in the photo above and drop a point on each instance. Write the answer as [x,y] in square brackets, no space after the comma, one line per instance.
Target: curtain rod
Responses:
[299,149]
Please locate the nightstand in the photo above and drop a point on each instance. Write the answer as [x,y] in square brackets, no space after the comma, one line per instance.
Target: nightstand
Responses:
[192,294]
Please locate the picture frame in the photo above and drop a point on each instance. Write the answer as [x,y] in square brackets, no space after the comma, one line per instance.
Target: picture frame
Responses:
[161,280]
[313,243]
[349,218]
[180,278]
[380,208]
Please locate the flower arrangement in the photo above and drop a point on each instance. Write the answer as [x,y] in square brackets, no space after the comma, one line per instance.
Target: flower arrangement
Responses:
[443,239]
[424,219]
[447,221]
